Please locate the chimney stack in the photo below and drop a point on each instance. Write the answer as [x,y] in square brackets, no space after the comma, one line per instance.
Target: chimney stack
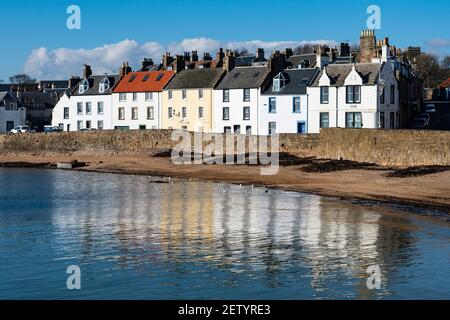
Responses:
[124,69]
[220,55]
[167,60]
[288,52]
[194,56]
[344,50]
[367,43]
[207,56]
[259,55]
[87,71]
[277,62]
[180,63]
[229,62]
[146,63]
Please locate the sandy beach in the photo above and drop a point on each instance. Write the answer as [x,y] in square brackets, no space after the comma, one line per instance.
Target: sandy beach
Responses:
[421,187]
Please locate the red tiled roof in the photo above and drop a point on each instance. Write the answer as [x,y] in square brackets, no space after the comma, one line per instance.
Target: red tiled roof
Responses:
[445,84]
[144,81]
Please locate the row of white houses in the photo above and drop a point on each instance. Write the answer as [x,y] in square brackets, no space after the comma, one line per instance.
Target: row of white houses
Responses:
[247,100]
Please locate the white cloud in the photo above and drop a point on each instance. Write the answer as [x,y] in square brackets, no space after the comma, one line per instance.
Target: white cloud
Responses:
[439,43]
[61,63]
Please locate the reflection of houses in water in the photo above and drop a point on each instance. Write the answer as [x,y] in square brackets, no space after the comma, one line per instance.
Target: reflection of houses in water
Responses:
[236,229]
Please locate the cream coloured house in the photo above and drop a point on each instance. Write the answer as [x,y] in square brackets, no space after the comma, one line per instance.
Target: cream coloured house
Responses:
[187,101]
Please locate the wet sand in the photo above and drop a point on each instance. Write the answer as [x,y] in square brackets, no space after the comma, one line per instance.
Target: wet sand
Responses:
[429,189]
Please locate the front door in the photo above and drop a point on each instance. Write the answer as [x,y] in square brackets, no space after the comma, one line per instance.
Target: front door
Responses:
[9,125]
[301,127]
[237,129]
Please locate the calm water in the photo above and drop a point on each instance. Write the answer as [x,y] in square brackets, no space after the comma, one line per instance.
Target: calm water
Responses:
[190,240]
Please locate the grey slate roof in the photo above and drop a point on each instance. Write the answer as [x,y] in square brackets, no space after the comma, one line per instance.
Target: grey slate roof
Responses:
[244,78]
[244,61]
[297,59]
[195,79]
[337,73]
[297,80]
[94,85]
[7,96]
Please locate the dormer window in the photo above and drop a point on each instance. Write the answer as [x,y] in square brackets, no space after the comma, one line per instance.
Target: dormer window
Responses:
[84,86]
[104,85]
[279,82]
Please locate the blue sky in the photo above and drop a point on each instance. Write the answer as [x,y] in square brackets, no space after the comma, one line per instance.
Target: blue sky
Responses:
[150,27]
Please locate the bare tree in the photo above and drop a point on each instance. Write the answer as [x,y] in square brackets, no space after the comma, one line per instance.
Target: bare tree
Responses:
[242,52]
[306,48]
[21,79]
[445,64]
[428,68]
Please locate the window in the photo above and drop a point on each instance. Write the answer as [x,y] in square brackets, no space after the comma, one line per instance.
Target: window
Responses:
[272,128]
[324,95]
[135,96]
[279,82]
[150,113]
[392,94]
[134,113]
[79,125]
[88,124]
[183,94]
[170,112]
[200,93]
[226,113]
[296,105]
[121,113]
[324,120]
[392,120]
[66,113]
[226,95]
[184,112]
[100,108]
[382,120]
[200,112]
[104,85]
[227,130]
[237,129]
[100,125]
[248,130]
[80,108]
[246,113]
[148,96]
[246,95]
[122,96]
[353,94]
[170,93]
[382,99]
[272,105]
[88,108]
[353,120]
[84,86]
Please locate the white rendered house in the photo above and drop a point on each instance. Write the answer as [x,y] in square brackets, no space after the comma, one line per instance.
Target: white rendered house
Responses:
[283,105]
[363,95]
[11,113]
[137,100]
[237,98]
[89,106]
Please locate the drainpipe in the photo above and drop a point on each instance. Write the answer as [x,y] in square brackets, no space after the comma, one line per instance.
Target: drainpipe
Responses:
[337,104]
[307,112]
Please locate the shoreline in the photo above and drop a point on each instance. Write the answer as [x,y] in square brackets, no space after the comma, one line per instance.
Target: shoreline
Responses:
[430,191]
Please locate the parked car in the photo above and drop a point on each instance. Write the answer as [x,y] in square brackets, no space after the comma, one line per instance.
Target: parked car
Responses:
[48,129]
[21,129]
[430,108]
[420,123]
